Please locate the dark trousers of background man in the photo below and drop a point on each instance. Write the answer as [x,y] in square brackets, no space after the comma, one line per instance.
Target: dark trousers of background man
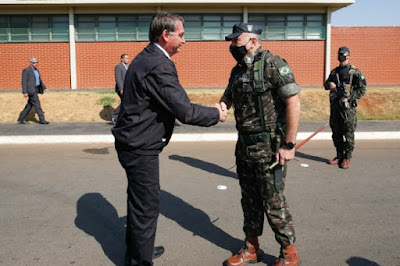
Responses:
[33,101]
[115,113]
[143,204]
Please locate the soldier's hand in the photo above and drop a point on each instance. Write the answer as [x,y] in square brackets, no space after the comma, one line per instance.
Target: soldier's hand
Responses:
[332,86]
[223,106]
[222,113]
[284,155]
[25,95]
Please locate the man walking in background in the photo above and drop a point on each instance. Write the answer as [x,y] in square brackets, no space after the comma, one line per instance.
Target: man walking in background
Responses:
[32,84]
[120,72]
[346,85]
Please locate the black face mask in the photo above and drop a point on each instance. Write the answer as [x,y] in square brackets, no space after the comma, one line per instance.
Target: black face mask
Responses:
[342,57]
[238,52]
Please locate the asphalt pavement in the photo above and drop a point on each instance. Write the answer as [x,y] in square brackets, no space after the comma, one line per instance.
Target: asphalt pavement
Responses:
[65,204]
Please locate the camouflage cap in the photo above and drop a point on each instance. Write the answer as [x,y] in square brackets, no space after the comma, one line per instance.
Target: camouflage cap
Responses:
[343,50]
[243,28]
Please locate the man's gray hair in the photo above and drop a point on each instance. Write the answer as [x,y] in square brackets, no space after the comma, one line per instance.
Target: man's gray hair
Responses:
[256,36]
[33,60]
[162,21]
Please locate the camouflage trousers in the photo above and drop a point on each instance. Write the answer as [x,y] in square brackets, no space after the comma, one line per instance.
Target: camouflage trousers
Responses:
[343,124]
[262,192]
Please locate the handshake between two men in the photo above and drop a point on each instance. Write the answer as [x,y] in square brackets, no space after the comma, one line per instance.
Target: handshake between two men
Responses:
[223,111]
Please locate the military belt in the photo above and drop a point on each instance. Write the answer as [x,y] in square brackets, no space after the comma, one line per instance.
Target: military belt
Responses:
[251,139]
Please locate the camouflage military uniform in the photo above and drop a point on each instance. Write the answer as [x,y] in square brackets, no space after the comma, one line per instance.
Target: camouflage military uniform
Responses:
[343,120]
[259,140]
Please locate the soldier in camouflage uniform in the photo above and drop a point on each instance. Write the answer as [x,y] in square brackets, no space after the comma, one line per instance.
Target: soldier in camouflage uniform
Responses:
[346,85]
[264,94]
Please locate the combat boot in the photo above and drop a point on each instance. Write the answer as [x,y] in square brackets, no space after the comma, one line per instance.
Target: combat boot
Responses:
[334,161]
[345,164]
[288,257]
[250,253]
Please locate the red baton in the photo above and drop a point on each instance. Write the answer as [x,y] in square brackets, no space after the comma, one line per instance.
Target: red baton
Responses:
[302,143]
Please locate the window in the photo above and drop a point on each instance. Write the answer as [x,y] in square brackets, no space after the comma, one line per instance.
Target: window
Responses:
[209,26]
[112,27]
[290,27]
[39,28]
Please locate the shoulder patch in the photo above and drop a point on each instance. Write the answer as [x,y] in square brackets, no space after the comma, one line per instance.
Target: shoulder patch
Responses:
[285,70]
[362,77]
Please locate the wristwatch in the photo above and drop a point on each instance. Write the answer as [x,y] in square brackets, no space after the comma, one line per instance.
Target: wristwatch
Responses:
[289,145]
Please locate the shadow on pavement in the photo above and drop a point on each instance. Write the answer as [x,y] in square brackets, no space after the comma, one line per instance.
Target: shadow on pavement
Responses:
[311,157]
[197,222]
[97,150]
[357,261]
[105,114]
[98,218]
[206,166]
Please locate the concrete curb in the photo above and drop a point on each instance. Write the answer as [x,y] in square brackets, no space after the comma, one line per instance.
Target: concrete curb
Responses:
[193,137]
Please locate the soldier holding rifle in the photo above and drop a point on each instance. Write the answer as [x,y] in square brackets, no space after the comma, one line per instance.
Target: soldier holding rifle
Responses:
[346,85]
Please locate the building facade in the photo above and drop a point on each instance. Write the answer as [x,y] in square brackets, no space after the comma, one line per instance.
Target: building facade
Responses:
[78,43]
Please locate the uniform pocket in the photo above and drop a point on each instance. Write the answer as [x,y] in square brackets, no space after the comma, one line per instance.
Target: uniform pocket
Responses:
[260,153]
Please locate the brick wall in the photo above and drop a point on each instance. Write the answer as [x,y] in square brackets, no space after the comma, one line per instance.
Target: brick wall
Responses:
[209,64]
[199,64]
[95,62]
[53,64]
[374,50]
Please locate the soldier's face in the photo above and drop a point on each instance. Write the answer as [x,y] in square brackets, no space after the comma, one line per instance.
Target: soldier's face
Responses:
[242,39]
[343,58]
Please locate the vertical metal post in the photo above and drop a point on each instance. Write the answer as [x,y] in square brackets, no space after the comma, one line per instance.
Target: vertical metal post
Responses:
[72,51]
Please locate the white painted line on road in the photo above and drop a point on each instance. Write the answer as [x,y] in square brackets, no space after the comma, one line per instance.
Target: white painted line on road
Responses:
[54,139]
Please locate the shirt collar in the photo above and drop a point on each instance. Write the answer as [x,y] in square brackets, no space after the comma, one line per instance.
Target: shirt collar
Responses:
[162,49]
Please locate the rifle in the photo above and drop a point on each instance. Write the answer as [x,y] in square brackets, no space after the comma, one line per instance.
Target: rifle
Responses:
[301,144]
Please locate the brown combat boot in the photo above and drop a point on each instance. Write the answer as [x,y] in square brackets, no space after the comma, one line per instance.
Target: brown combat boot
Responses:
[334,161]
[248,254]
[345,164]
[288,257]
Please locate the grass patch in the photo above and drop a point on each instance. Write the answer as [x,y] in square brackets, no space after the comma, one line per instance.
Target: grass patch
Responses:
[106,101]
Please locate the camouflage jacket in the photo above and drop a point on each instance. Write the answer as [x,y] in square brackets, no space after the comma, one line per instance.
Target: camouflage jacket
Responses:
[250,103]
[356,89]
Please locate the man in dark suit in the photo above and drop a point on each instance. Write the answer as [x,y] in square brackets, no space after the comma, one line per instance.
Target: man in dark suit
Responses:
[120,72]
[32,84]
[152,99]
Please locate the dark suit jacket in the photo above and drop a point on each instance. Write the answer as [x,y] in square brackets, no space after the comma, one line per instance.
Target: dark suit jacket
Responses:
[152,99]
[29,81]
[120,72]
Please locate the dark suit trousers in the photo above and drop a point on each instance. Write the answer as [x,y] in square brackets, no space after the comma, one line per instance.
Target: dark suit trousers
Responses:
[143,204]
[33,101]
[115,113]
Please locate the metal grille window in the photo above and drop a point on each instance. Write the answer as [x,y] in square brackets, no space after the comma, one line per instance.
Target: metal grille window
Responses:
[39,28]
[291,27]
[210,26]
[112,27]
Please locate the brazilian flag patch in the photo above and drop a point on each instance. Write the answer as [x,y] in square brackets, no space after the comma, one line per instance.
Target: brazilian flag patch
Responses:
[362,77]
[285,70]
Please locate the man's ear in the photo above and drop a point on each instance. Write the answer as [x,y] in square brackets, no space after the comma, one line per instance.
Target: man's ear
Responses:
[254,41]
[165,35]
